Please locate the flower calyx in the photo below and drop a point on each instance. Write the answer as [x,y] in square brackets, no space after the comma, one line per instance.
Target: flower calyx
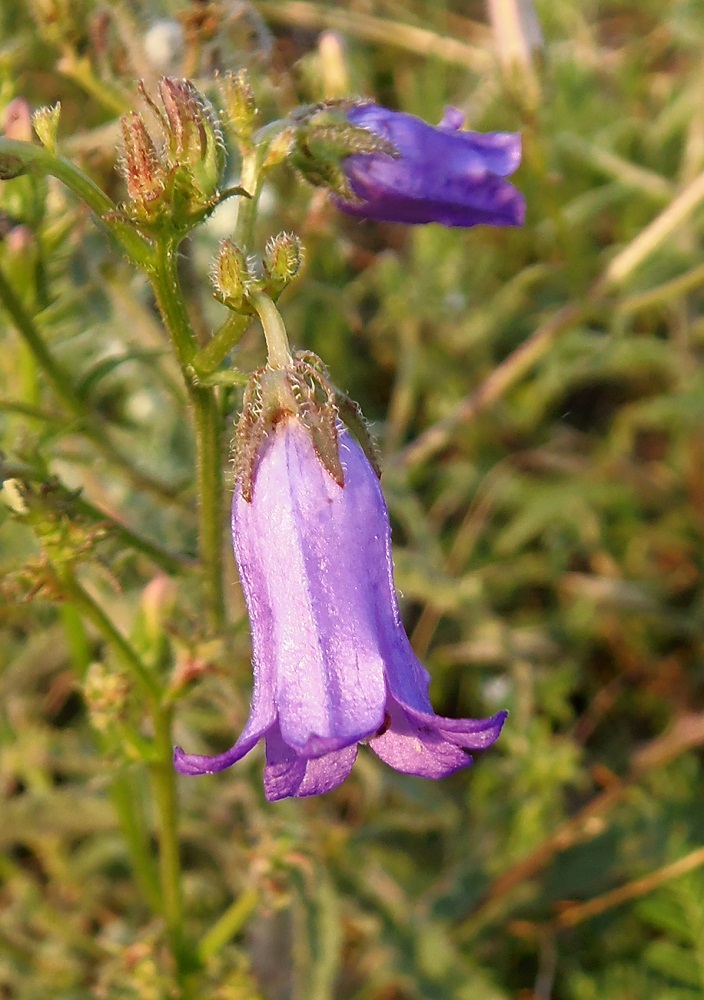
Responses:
[300,392]
[303,392]
[324,138]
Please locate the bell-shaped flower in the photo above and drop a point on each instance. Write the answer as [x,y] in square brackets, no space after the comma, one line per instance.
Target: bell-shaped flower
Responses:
[437,174]
[333,666]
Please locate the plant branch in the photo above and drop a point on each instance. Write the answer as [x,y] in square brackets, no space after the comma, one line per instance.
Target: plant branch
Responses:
[207,425]
[123,650]
[17,158]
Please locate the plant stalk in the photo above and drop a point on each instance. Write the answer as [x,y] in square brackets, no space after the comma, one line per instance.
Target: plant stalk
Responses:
[207,426]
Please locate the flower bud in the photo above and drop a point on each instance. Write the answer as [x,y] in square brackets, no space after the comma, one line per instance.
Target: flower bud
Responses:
[46,125]
[240,105]
[230,274]
[158,600]
[333,65]
[283,256]
[143,170]
[164,44]
[21,242]
[106,693]
[194,136]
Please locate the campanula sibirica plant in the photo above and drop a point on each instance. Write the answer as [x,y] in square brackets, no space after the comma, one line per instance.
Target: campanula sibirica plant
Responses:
[333,666]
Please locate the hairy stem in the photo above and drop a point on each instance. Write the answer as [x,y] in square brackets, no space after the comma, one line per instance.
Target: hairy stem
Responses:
[278,349]
[17,158]
[210,357]
[251,182]
[207,426]
[163,777]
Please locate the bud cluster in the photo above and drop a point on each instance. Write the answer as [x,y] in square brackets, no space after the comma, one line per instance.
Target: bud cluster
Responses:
[235,278]
[177,178]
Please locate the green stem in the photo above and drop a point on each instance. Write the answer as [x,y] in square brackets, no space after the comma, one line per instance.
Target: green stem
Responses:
[78,643]
[162,771]
[229,924]
[125,798]
[17,158]
[208,430]
[210,357]
[170,562]
[135,831]
[664,293]
[167,287]
[278,350]
[163,778]
[55,373]
[251,181]
[92,611]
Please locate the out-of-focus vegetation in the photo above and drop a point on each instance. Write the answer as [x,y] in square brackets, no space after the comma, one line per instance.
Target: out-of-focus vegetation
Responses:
[538,395]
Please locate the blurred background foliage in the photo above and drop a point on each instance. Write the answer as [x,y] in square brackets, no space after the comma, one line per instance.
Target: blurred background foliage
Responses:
[538,395]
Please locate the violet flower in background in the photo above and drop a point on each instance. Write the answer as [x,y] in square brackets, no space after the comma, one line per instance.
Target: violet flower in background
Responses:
[333,666]
[440,174]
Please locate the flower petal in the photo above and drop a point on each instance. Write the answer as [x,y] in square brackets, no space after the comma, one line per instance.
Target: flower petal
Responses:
[307,551]
[439,175]
[422,743]
[444,149]
[392,191]
[452,119]
[261,718]
[195,763]
[288,774]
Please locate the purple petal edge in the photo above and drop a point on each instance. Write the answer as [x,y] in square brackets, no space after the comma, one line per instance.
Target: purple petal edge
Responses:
[195,763]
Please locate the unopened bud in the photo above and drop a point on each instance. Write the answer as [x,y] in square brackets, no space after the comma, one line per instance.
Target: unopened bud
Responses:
[17,122]
[143,171]
[46,125]
[230,274]
[279,148]
[240,105]
[283,257]
[164,44]
[194,133]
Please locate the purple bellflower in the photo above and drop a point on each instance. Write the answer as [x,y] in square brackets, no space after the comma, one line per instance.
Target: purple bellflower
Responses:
[333,666]
[437,174]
